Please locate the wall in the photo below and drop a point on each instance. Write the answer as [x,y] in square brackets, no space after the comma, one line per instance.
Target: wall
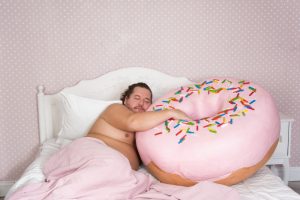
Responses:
[58,43]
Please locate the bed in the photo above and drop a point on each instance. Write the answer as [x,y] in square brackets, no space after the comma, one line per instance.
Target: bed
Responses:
[263,185]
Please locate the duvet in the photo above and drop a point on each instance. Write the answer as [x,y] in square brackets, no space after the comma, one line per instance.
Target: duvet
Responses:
[87,169]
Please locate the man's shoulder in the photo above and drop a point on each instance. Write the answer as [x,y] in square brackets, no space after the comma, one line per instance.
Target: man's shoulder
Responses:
[116,107]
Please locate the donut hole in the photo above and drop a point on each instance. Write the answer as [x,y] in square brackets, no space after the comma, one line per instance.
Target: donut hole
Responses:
[207,105]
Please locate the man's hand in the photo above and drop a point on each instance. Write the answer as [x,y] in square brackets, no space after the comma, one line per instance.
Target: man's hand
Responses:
[179,114]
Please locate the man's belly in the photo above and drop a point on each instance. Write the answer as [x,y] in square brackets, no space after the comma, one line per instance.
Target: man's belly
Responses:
[127,150]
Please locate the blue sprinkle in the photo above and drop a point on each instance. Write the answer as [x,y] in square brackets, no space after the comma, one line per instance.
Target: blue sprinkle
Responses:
[181,140]
[230,88]
[176,125]
[234,109]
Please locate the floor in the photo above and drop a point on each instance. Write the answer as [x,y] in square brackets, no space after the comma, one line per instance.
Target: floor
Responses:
[294,185]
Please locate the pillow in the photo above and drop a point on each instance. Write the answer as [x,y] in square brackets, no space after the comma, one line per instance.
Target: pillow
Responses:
[234,131]
[79,114]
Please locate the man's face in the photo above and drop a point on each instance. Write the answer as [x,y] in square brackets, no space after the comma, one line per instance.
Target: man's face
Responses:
[139,100]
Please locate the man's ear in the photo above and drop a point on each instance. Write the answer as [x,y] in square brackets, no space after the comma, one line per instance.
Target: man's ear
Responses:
[125,100]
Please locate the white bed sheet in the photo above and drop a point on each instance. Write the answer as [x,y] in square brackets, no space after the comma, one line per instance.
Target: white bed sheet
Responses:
[264,185]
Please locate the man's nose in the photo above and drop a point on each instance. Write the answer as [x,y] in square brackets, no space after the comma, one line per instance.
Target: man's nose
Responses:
[141,102]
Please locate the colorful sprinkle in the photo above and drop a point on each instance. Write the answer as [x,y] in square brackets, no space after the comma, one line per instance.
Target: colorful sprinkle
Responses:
[176,126]
[189,94]
[188,131]
[178,132]
[189,123]
[158,133]
[212,130]
[251,102]
[181,139]
[180,100]
[240,106]
[197,86]
[208,125]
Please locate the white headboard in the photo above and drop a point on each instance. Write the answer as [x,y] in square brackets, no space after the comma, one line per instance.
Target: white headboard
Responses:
[106,87]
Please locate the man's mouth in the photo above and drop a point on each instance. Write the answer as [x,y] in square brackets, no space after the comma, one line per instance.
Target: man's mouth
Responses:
[140,109]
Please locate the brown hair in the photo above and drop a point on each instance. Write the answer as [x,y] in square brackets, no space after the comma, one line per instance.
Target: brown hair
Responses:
[130,89]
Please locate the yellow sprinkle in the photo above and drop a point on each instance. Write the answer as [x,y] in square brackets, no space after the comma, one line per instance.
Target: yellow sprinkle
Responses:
[212,130]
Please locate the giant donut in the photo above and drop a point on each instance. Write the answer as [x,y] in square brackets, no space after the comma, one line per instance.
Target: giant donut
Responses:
[234,131]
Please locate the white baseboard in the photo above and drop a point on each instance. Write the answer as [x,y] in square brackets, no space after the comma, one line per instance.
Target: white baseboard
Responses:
[294,174]
[4,187]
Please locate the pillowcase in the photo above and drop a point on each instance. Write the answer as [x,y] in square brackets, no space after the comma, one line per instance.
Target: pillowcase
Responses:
[79,114]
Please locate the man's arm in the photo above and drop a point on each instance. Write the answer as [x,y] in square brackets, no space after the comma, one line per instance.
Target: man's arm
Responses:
[122,118]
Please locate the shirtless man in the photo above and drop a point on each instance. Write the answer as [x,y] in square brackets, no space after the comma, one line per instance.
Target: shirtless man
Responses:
[78,164]
[117,125]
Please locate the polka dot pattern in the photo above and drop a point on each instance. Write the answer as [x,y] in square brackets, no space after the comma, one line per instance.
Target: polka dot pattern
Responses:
[58,43]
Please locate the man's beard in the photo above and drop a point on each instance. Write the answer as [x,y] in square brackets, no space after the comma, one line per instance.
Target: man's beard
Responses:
[139,109]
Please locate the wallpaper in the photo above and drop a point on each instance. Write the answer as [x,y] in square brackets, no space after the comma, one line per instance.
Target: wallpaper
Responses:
[58,43]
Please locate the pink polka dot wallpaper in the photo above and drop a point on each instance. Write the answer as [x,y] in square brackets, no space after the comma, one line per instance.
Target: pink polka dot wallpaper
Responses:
[58,43]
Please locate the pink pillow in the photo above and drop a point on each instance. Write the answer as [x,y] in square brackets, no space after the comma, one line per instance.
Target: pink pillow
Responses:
[235,124]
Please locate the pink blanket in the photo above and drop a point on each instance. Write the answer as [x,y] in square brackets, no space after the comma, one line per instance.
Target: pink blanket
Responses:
[87,169]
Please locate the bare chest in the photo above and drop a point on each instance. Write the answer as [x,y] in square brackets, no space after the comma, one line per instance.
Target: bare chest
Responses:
[104,128]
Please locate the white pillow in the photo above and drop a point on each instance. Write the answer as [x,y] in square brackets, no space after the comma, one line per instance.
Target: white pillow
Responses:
[79,114]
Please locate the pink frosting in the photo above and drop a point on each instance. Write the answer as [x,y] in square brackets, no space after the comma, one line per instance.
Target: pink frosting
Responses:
[235,122]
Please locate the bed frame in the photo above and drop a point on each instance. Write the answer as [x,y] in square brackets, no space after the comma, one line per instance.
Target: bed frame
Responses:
[106,87]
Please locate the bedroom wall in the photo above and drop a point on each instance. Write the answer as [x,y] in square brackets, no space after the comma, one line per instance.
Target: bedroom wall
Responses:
[58,43]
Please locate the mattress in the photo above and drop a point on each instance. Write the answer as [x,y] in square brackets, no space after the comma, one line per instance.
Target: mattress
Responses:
[263,185]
